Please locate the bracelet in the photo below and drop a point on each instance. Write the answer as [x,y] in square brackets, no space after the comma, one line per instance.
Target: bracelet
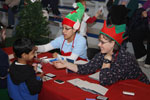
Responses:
[107,61]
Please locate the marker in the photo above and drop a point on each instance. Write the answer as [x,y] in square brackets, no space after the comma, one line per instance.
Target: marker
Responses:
[128,93]
[55,59]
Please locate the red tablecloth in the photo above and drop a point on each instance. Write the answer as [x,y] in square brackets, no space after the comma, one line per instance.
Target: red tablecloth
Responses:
[66,91]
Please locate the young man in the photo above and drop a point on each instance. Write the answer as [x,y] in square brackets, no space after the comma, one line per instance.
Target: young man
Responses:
[23,84]
[71,44]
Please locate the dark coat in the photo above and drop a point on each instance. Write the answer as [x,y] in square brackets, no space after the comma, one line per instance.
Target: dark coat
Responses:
[4,65]
[138,26]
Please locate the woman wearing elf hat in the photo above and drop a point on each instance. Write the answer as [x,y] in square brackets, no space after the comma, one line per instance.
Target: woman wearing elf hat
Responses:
[71,44]
[113,61]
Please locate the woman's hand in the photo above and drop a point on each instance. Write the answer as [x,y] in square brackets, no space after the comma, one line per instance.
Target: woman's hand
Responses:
[64,64]
[60,64]
[55,55]
[109,55]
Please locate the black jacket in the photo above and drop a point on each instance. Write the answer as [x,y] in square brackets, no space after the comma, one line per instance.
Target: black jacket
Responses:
[25,73]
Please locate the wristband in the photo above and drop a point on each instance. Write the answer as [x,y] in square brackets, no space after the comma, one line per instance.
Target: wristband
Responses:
[107,61]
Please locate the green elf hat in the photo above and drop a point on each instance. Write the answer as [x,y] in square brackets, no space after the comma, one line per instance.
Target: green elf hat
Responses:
[115,32]
[73,19]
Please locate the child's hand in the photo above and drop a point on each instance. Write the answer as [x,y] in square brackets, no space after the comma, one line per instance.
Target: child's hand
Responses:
[35,66]
[40,74]
[55,55]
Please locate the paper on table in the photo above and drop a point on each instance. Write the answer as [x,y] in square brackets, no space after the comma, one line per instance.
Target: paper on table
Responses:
[11,56]
[95,76]
[46,78]
[97,88]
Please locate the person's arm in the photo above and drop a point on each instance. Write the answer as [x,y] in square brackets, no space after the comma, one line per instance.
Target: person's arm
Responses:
[50,46]
[73,56]
[64,64]
[88,68]
[91,20]
[121,69]
[34,83]
[107,57]
[44,48]
[4,64]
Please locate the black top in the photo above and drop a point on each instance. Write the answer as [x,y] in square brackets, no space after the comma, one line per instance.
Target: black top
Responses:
[25,73]
[123,67]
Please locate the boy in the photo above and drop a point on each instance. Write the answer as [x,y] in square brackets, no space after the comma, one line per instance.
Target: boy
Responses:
[22,81]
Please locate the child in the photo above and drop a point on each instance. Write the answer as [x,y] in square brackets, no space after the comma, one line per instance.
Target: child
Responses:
[87,19]
[22,81]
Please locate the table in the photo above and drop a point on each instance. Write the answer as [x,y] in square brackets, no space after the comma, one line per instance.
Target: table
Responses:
[66,91]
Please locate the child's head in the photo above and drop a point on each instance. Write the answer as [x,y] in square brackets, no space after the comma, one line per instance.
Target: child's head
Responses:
[24,48]
[82,1]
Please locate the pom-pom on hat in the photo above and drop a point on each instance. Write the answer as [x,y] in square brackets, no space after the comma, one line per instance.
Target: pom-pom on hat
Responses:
[73,19]
[115,32]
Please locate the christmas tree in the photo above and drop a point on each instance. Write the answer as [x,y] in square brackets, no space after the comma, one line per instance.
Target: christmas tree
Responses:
[32,23]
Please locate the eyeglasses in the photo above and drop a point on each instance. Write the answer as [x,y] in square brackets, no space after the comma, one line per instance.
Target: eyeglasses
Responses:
[102,42]
[66,28]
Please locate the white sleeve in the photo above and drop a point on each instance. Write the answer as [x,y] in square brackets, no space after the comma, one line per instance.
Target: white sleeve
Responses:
[73,57]
[85,17]
[44,48]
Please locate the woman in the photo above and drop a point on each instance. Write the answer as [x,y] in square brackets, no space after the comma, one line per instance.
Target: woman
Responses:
[114,62]
[72,45]
[139,30]
[132,5]
[4,64]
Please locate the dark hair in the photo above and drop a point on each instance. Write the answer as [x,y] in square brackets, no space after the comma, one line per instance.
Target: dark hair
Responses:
[118,14]
[79,1]
[116,47]
[22,45]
